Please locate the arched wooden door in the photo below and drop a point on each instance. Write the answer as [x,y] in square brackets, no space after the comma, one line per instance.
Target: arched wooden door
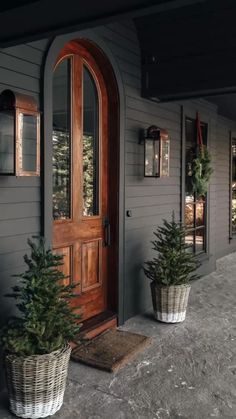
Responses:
[80,176]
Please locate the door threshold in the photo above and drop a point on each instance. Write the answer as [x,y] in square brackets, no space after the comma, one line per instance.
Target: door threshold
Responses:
[98,324]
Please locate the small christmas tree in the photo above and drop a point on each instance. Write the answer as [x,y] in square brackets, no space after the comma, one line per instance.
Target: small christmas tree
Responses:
[174,264]
[47,321]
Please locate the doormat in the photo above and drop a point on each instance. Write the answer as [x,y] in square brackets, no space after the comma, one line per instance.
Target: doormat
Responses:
[110,350]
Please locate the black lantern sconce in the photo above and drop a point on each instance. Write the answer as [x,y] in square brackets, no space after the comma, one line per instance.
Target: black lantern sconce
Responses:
[156,151]
[19,135]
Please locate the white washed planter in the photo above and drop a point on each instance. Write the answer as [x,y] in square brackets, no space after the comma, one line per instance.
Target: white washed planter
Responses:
[36,384]
[170,303]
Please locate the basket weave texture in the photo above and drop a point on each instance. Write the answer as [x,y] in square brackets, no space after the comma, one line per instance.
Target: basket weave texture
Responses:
[36,384]
[170,303]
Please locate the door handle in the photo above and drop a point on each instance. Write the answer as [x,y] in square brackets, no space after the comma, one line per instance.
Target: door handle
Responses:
[107,232]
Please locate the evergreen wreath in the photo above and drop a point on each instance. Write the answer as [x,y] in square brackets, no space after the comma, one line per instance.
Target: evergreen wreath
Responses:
[47,321]
[201,171]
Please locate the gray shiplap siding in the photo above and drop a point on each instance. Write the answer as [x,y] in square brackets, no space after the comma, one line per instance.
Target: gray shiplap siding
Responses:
[150,200]
[20,198]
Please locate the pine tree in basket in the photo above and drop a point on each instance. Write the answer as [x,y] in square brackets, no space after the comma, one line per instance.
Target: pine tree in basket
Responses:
[47,321]
[174,264]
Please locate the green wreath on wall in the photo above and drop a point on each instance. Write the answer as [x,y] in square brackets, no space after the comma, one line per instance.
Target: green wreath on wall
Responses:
[201,171]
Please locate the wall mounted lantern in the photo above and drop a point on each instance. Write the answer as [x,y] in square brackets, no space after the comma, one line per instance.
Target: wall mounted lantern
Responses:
[19,135]
[156,151]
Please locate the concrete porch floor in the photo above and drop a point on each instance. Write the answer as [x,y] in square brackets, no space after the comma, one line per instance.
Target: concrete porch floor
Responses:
[188,372]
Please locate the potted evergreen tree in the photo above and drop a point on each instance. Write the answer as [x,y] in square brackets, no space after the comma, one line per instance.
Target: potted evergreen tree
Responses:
[170,272]
[36,344]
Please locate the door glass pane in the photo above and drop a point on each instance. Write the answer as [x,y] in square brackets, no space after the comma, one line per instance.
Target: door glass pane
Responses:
[90,146]
[62,140]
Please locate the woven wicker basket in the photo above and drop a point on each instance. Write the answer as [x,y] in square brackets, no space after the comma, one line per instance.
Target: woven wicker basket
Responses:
[170,303]
[36,384]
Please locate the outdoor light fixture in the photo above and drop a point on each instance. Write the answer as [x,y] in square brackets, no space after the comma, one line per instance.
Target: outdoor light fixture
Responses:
[156,152]
[19,135]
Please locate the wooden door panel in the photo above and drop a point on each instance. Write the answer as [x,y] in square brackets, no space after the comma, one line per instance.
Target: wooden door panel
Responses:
[91,265]
[66,268]
[63,232]
[90,303]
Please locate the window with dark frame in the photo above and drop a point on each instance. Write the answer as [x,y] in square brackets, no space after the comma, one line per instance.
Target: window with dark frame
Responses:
[233,186]
[194,207]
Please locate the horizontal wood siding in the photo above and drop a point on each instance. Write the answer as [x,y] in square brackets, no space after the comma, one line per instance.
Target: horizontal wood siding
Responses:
[20,209]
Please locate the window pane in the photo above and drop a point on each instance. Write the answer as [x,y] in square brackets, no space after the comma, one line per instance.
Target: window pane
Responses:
[200,206]
[61,140]
[28,130]
[234,209]
[7,142]
[200,240]
[189,240]
[233,186]
[189,215]
[90,146]
[195,207]
[190,132]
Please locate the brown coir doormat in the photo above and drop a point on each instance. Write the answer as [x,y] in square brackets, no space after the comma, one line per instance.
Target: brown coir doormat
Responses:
[110,350]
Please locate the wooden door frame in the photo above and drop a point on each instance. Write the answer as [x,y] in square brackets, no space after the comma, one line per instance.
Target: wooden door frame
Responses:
[115,254]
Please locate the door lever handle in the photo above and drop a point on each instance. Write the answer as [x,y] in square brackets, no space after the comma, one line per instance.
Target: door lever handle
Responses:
[107,231]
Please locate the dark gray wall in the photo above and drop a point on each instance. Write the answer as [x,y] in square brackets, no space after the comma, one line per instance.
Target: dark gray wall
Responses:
[150,200]
[20,210]
[19,197]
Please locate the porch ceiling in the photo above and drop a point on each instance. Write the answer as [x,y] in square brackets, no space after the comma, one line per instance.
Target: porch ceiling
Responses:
[190,51]
[29,20]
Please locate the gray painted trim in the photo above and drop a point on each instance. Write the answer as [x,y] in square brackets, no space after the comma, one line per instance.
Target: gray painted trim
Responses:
[182,156]
[232,135]
[53,52]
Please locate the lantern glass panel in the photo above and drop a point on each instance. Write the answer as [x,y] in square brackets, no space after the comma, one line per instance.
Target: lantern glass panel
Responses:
[152,157]
[165,157]
[7,142]
[28,139]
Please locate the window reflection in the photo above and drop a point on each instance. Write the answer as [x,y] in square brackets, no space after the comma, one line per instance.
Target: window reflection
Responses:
[189,240]
[233,185]
[195,207]
[200,212]
[189,215]
[199,240]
